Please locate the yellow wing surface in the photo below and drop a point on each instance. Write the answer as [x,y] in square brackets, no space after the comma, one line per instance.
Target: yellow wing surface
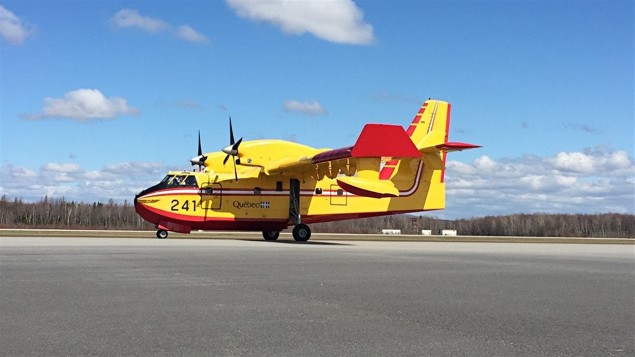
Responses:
[370,167]
[383,162]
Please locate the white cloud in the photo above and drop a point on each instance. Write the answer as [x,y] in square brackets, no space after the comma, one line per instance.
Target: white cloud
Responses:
[13,28]
[130,18]
[187,33]
[125,168]
[591,181]
[84,105]
[60,168]
[484,163]
[12,173]
[518,185]
[54,172]
[308,108]
[119,182]
[588,162]
[126,18]
[339,21]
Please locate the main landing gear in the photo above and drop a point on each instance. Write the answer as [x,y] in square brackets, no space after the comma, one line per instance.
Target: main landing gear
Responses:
[301,233]
[162,234]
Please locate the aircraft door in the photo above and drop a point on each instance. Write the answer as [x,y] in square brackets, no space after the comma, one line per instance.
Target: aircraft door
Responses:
[211,196]
[294,201]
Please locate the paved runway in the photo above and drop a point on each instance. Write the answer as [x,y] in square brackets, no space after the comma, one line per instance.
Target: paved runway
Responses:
[150,297]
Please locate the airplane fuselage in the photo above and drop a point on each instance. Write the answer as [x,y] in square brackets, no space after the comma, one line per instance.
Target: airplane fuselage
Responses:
[269,185]
[187,200]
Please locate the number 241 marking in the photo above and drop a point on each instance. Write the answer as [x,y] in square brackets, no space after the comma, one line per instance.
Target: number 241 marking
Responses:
[176,205]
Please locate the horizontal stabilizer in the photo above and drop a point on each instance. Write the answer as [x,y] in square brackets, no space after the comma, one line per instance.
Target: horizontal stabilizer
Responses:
[456,146]
[368,187]
[383,140]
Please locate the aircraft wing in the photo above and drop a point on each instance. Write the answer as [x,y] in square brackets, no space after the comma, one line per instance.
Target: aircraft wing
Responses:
[376,140]
[243,172]
[360,163]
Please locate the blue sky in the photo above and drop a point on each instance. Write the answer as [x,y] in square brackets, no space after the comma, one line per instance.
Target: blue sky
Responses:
[99,98]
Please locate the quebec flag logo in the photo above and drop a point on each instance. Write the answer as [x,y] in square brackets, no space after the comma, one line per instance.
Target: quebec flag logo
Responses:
[264,204]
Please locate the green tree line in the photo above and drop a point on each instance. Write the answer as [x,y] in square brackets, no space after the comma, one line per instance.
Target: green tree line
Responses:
[62,214]
[613,225]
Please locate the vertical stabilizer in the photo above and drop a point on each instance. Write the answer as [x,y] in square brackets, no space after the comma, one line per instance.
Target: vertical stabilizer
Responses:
[429,127]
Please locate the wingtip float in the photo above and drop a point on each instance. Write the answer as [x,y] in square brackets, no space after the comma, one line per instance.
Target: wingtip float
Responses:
[273,184]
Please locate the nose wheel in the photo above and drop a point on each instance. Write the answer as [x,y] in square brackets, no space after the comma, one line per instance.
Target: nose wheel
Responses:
[271,235]
[301,233]
[162,234]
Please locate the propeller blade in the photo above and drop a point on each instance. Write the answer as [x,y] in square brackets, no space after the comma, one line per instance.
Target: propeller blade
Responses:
[236,145]
[232,148]
[200,159]
[231,132]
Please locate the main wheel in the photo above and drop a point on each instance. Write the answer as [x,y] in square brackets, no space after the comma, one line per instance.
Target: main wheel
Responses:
[271,235]
[162,234]
[301,233]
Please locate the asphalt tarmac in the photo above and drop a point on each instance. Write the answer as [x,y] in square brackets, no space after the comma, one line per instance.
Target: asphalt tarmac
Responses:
[150,297]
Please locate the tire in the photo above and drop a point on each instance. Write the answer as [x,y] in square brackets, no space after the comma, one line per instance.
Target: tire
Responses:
[301,233]
[162,234]
[271,235]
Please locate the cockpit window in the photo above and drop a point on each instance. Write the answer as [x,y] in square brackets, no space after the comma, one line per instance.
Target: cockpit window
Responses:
[190,180]
[180,180]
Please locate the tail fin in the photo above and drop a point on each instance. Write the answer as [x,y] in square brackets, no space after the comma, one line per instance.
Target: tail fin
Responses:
[429,133]
[429,127]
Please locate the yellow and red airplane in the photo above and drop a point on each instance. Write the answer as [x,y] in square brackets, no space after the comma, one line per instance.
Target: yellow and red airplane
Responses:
[272,184]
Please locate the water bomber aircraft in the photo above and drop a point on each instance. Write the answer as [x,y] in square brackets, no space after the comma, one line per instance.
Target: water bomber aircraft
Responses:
[269,185]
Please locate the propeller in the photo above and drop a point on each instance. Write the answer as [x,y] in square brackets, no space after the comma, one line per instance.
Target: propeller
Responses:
[200,159]
[232,148]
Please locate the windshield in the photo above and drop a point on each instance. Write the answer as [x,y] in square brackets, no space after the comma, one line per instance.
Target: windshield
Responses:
[179,180]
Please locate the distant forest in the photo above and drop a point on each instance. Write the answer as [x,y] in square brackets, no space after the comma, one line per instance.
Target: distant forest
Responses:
[61,214]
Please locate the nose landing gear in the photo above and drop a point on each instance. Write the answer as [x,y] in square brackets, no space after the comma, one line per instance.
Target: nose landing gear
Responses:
[271,235]
[162,234]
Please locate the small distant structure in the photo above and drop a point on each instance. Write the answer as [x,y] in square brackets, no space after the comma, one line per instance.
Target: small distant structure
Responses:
[426,232]
[391,231]
[448,232]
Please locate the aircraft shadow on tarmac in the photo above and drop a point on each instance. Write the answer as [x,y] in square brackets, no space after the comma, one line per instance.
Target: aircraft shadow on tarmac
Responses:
[295,242]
